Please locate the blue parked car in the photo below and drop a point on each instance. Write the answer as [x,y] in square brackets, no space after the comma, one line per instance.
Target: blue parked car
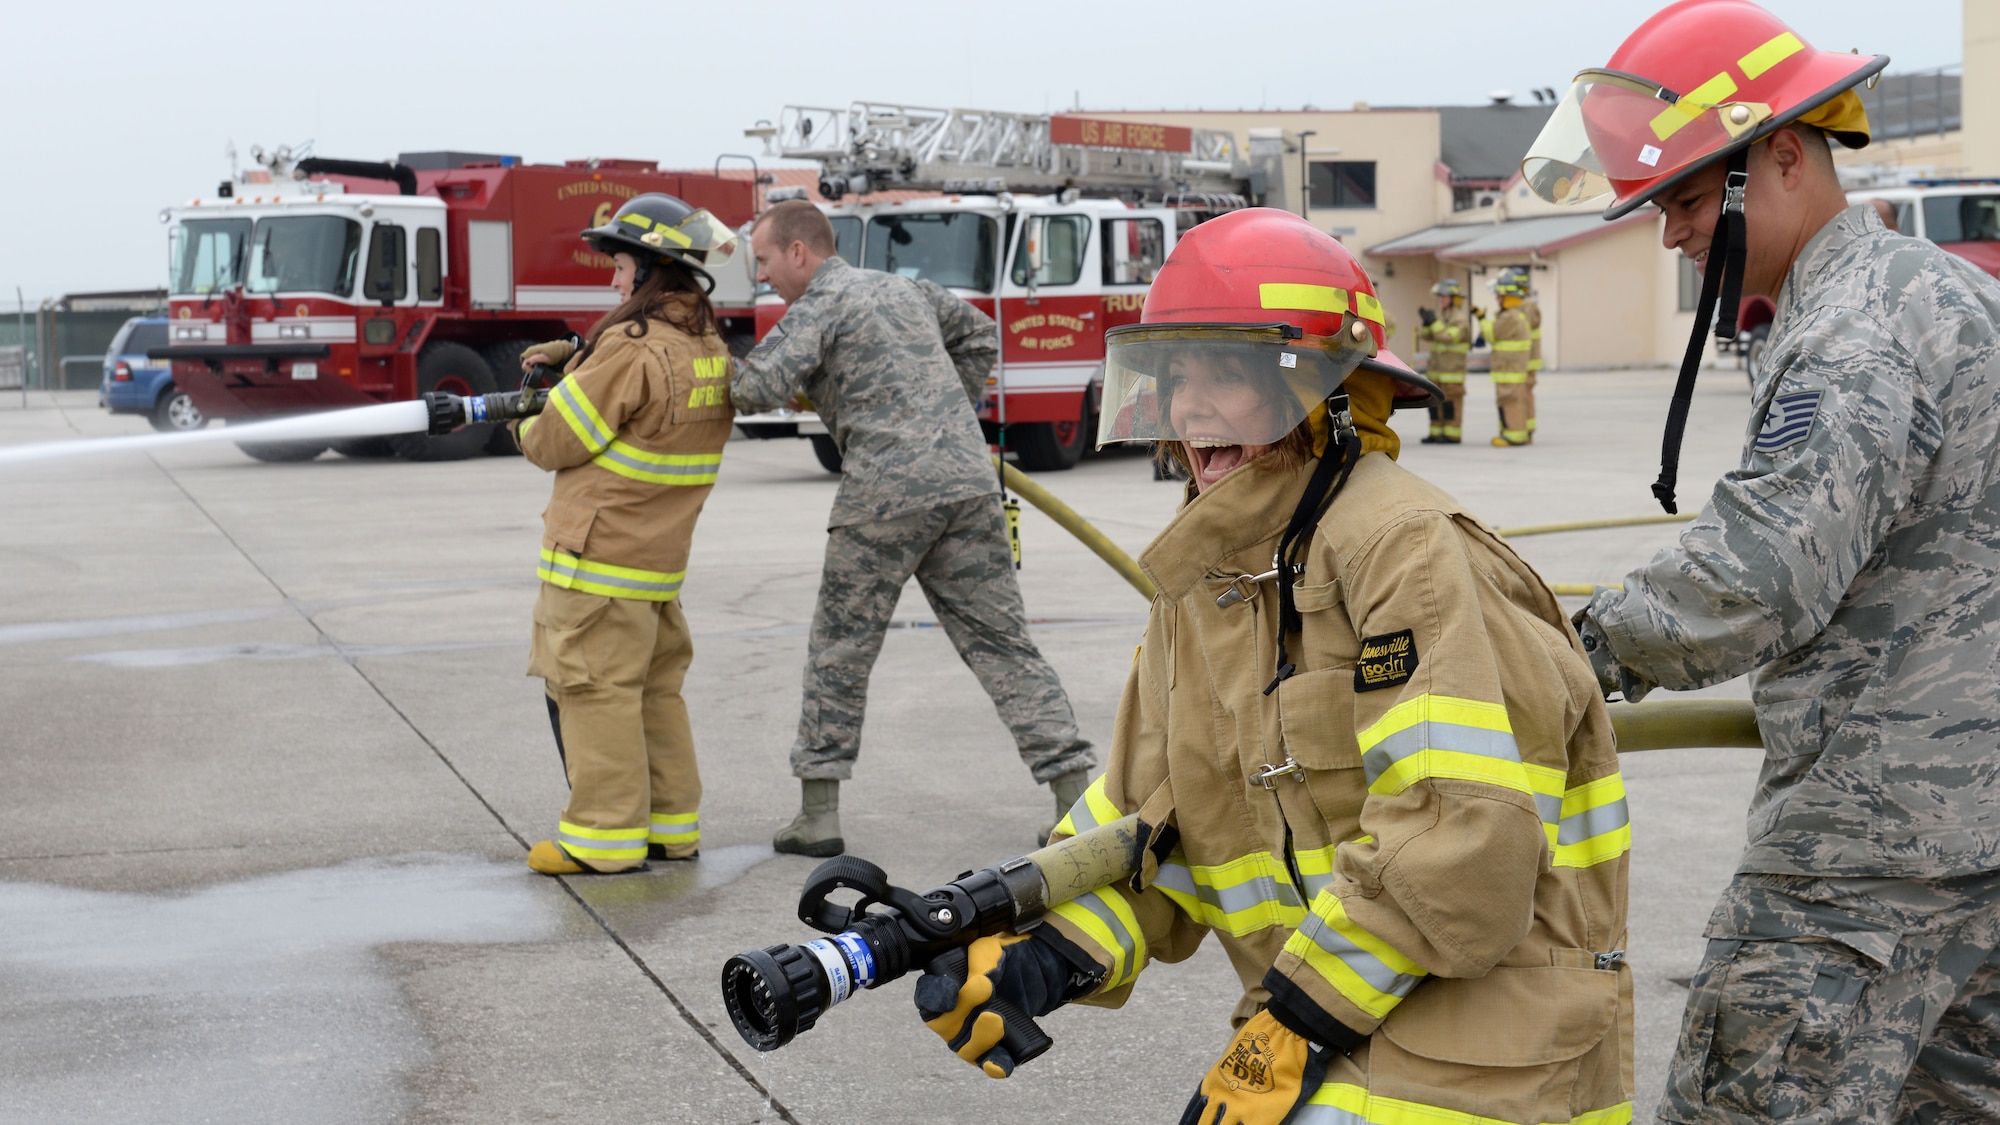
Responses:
[134,384]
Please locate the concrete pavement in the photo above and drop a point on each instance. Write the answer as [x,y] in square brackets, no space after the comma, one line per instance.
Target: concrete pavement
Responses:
[272,766]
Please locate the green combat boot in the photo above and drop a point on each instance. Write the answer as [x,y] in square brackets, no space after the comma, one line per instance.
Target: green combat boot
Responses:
[1068,790]
[816,830]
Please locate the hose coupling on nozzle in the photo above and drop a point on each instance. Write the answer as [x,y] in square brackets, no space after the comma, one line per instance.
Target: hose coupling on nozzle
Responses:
[447,412]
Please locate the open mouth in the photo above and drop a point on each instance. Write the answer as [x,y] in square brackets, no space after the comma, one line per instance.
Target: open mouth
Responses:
[1212,460]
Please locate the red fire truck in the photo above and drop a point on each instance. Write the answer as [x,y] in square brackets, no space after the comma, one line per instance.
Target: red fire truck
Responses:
[314,284]
[1053,226]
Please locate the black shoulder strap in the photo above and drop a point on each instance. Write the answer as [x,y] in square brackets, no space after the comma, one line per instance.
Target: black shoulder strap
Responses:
[1722,279]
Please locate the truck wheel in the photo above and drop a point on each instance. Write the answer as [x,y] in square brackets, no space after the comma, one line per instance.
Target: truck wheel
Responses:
[504,360]
[827,452]
[1753,352]
[1051,447]
[454,369]
[176,412]
[364,449]
[282,451]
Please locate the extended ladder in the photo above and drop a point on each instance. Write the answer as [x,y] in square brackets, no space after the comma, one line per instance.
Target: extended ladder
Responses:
[872,146]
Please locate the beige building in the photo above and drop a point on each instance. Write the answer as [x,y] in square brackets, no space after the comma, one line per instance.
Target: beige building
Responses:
[1425,193]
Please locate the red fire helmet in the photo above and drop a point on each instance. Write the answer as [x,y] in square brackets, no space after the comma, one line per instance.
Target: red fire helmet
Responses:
[1699,80]
[1259,297]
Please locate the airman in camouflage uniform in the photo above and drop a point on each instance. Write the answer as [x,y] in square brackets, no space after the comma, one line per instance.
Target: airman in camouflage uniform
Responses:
[1851,564]
[894,366]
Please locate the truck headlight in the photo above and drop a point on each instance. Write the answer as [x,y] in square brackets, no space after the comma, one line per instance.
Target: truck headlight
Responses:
[294,332]
[191,331]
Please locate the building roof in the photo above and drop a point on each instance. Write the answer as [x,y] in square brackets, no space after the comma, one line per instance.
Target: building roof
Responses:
[1485,142]
[1905,105]
[1516,236]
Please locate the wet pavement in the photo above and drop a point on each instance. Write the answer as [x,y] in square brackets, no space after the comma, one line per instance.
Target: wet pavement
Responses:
[272,767]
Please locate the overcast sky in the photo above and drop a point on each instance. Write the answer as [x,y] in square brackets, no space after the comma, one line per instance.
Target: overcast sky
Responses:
[117,109]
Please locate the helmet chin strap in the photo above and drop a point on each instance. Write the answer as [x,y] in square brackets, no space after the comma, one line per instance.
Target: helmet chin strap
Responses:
[1343,451]
[1722,280]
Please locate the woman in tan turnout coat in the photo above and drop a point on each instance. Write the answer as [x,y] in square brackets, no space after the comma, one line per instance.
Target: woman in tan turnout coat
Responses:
[634,433]
[1375,765]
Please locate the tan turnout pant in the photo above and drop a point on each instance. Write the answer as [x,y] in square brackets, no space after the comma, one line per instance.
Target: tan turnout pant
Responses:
[613,669]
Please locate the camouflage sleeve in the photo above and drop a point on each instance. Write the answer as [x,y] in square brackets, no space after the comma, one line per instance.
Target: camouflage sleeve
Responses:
[781,362]
[969,337]
[1834,457]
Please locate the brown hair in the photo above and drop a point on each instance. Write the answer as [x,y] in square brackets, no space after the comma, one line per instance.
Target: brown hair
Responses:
[671,293]
[796,220]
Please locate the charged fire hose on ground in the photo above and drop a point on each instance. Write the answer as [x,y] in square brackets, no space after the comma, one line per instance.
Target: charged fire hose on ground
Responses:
[773,994]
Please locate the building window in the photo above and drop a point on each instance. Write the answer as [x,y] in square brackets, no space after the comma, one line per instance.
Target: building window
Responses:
[1690,284]
[1343,183]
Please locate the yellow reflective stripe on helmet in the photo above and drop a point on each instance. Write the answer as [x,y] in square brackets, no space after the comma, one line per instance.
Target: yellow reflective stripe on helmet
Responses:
[1107,920]
[1368,306]
[601,843]
[637,220]
[1093,809]
[1439,736]
[1769,55]
[629,460]
[1360,966]
[581,414]
[1512,345]
[573,573]
[674,828]
[1309,298]
[1692,105]
[1250,893]
[1343,1103]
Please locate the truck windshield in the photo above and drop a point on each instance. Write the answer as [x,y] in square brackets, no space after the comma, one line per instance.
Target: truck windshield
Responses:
[1962,218]
[208,255]
[956,249]
[304,253]
[847,237]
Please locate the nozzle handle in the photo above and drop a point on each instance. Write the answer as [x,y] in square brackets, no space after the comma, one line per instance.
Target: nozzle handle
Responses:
[1024,1039]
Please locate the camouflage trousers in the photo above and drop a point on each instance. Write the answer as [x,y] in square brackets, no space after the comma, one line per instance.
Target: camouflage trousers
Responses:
[1839,1000]
[959,555]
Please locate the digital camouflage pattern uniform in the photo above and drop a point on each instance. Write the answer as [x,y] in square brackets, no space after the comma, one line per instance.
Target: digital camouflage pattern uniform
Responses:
[1849,564]
[894,366]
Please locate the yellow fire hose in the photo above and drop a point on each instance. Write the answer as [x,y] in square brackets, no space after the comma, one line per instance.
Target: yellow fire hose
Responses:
[1588,525]
[1076,525]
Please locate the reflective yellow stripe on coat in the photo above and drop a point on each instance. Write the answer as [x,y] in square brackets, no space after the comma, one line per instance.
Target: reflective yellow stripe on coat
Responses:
[629,460]
[1342,1103]
[576,409]
[560,568]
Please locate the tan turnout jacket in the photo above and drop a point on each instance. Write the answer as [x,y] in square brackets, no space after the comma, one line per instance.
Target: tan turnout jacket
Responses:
[635,434]
[1422,833]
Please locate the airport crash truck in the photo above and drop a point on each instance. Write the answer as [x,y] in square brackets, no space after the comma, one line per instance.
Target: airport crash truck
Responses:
[318,284]
[1053,225]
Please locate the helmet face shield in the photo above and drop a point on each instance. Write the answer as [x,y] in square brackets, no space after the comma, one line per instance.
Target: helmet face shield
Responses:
[1217,384]
[1614,127]
[710,241]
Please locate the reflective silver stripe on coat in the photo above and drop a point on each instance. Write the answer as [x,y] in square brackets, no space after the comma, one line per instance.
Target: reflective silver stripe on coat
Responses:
[565,566]
[582,412]
[1111,922]
[1593,822]
[660,468]
[1366,965]
[1247,895]
[1433,735]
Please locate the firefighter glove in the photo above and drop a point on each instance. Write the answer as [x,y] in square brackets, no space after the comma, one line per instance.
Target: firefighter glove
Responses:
[1427,316]
[1268,1071]
[558,353]
[981,1000]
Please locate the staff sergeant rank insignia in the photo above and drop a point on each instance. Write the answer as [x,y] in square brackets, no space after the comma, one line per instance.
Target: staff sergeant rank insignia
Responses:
[1385,661]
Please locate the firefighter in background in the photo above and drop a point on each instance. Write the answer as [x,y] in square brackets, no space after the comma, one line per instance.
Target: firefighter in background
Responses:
[1531,307]
[634,433]
[1849,562]
[1379,771]
[1448,332]
[1512,338]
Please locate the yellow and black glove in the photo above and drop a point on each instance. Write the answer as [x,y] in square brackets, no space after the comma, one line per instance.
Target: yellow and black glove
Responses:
[982,1000]
[558,352]
[1267,1072]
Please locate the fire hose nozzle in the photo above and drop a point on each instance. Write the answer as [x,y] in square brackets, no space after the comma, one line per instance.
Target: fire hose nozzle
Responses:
[448,412]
